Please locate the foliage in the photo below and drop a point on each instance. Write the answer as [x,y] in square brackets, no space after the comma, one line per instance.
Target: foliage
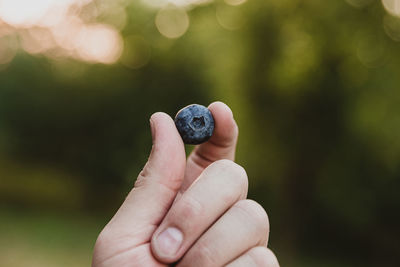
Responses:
[314,88]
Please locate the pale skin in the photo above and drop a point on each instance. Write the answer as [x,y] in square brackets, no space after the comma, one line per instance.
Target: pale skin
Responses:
[188,212]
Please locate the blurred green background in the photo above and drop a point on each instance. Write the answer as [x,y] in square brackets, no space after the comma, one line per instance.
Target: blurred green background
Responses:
[314,86]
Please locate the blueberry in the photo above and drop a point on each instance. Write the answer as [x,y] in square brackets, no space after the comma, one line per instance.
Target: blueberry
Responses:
[195,124]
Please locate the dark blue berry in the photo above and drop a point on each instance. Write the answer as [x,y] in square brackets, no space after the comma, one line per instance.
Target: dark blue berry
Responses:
[195,124]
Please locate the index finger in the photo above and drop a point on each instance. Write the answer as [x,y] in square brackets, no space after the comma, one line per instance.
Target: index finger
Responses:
[222,144]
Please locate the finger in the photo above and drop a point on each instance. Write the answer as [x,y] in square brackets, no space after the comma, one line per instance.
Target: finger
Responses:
[220,186]
[256,257]
[157,184]
[138,256]
[222,144]
[242,227]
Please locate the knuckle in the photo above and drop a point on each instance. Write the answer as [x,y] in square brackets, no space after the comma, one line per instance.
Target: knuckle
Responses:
[255,213]
[230,166]
[203,255]
[141,179]
[103,241]
[189,207]
[222,163]
[232,175]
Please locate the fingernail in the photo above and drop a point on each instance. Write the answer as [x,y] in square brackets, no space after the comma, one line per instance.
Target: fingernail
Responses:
[169,241]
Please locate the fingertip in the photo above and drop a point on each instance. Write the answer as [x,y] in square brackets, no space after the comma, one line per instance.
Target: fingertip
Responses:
[226,129]
[159,117]
[220,107]
[272,260]
[163,127]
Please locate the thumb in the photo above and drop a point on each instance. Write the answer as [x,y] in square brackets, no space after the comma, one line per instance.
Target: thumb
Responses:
[166,164]
[157,184]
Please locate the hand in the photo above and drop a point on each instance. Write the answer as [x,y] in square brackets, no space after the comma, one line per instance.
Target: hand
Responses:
[191,213]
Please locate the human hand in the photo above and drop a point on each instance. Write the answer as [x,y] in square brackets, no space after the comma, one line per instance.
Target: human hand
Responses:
[190,212]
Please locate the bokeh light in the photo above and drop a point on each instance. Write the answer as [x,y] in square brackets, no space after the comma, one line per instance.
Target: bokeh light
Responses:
[230,17]
[7,52]
[371,49]
[90,30]
[66,28]
[392,6]
[235,2]
[99,43]
[37,40]
[25,13]
[180,3]
[392,27]
[137,52]
[172,22]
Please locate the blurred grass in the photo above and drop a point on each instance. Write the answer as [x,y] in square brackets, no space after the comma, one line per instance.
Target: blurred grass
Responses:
[43,238]
[48,239]
[42,185]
